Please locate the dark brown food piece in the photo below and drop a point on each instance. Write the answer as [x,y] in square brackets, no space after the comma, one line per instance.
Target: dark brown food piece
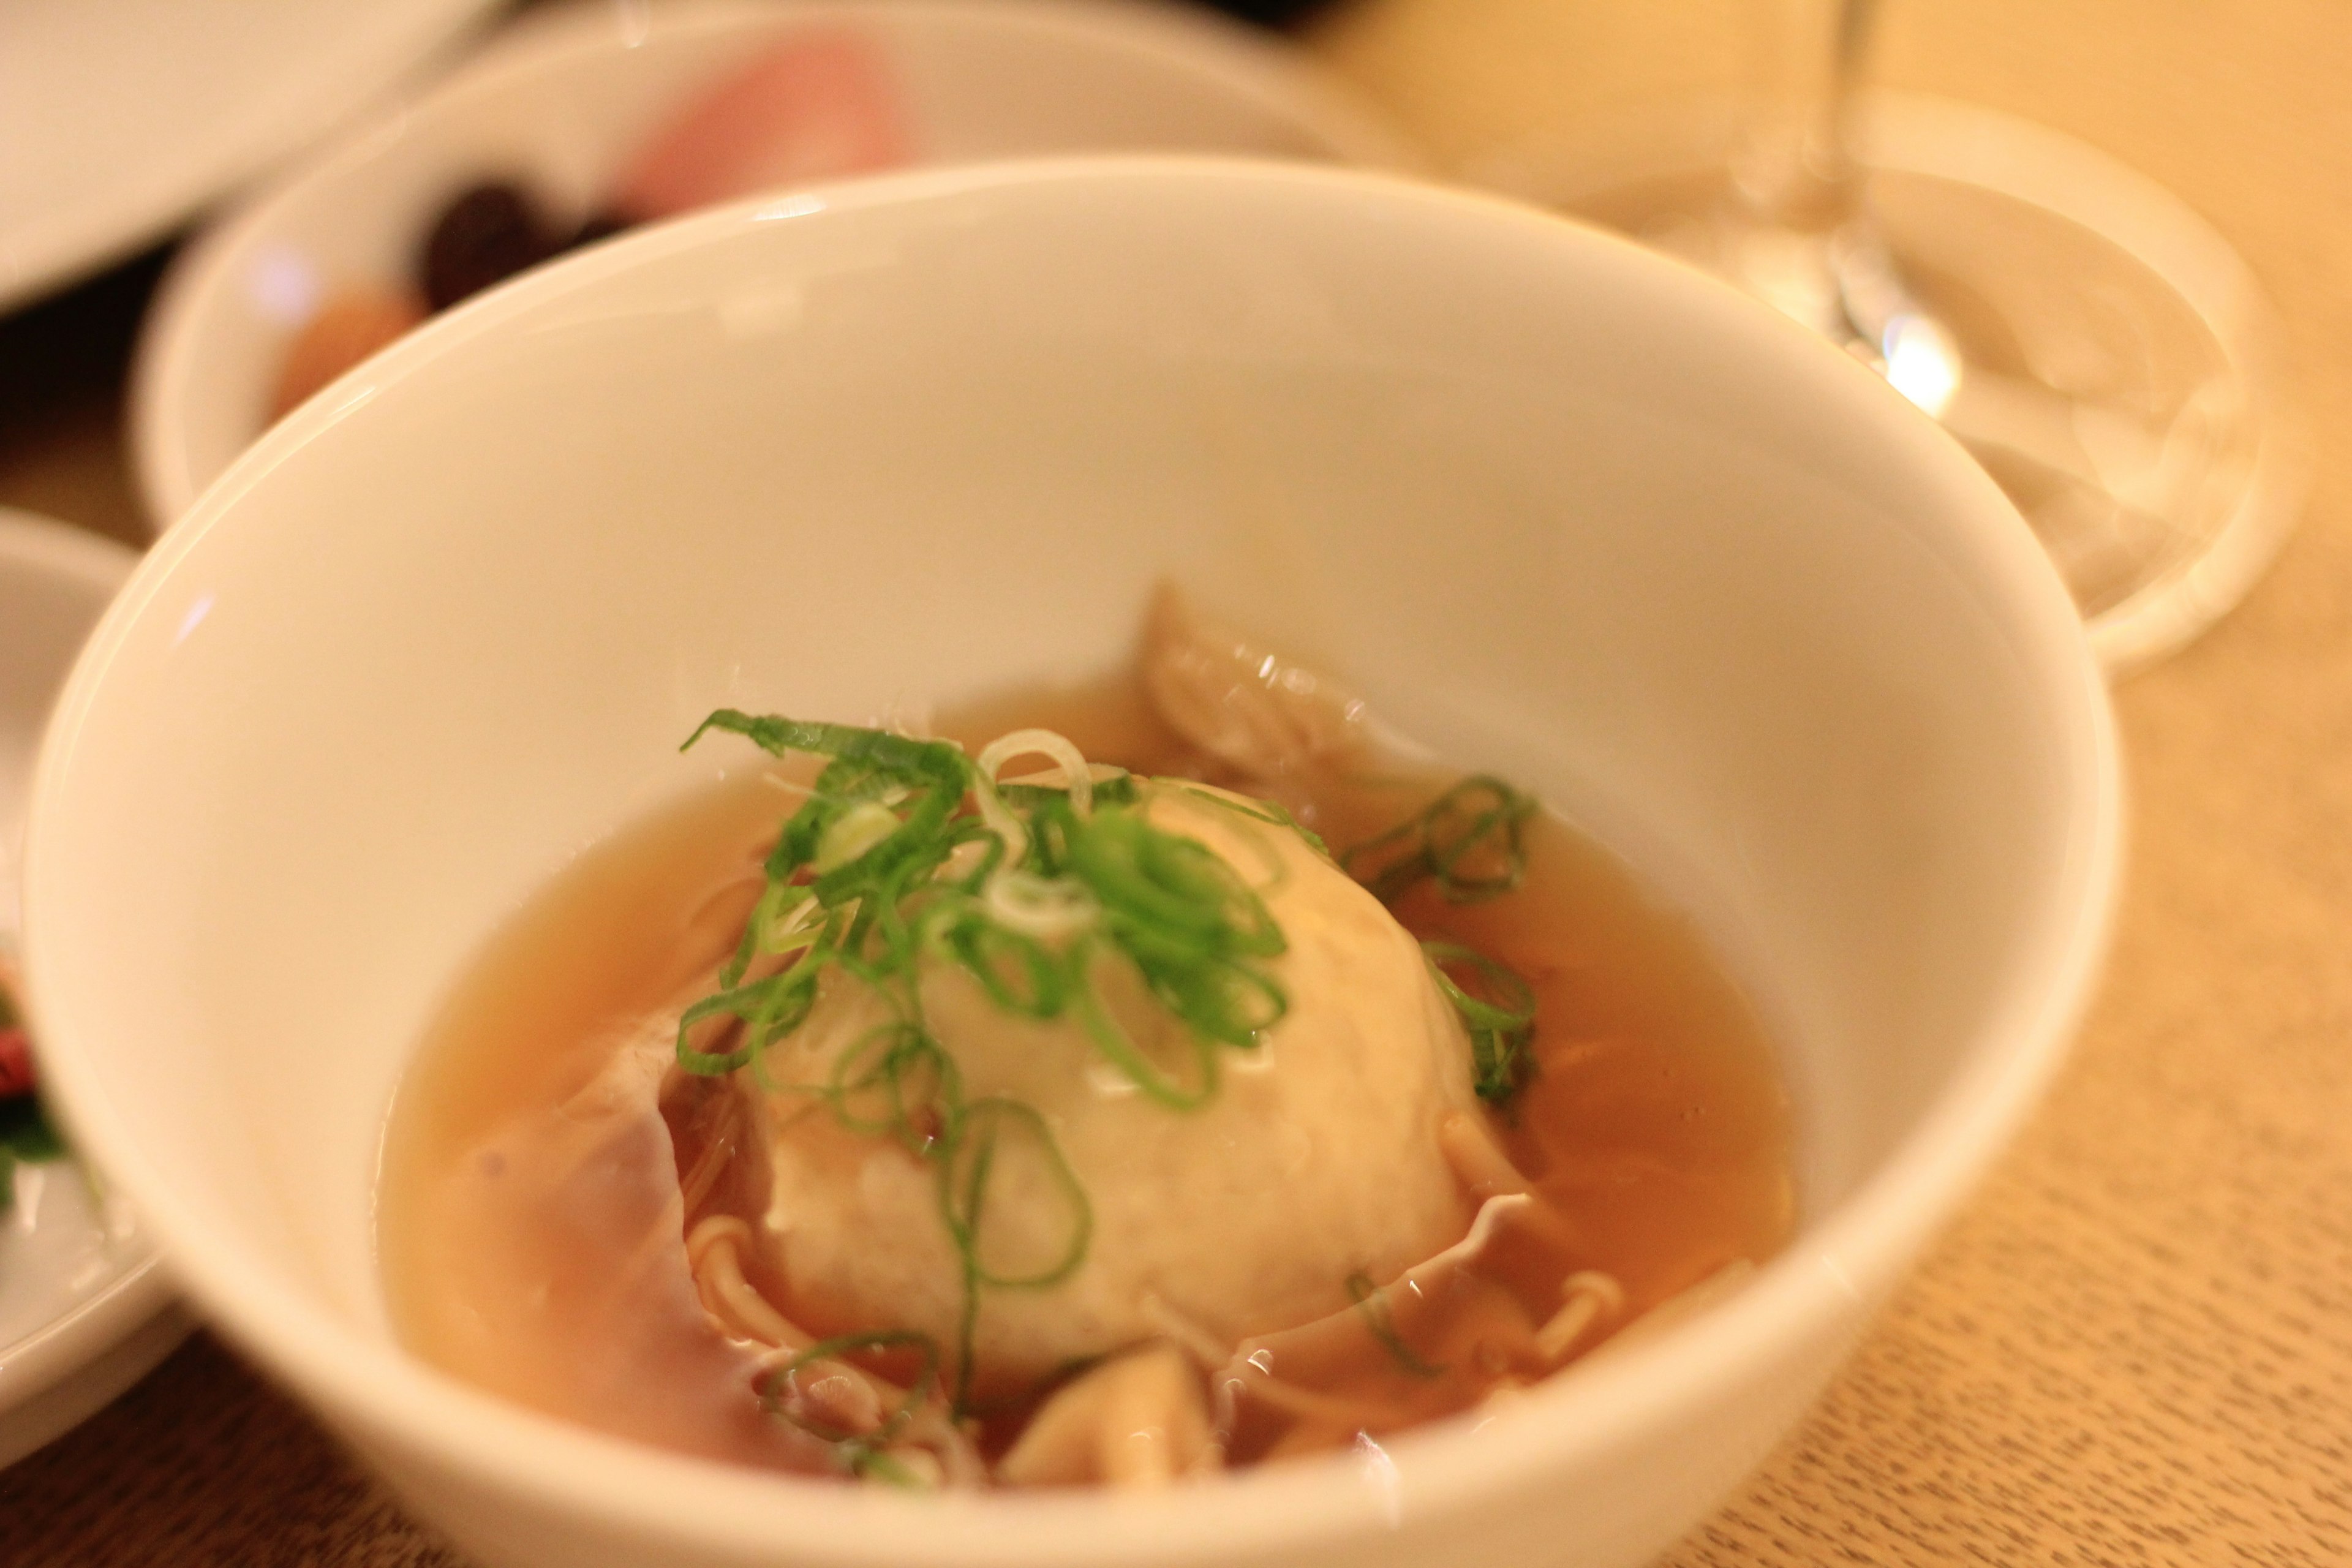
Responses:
[486,235]
[602,224]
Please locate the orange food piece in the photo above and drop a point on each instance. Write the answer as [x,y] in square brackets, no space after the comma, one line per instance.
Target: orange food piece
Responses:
[348,328]
[819,105]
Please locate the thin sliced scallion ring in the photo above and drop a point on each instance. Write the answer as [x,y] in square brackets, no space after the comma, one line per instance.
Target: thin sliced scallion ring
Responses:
[1439,842]
[1500,1032]
[1019,973]
[1123,1054]
[1077,776]
[850,1447]
[1049,909]
[853,832]
[1372,1301]
[1248,831]
[964,1184]
[792,930]
[1078,781]
[1273,813]
[890,1055]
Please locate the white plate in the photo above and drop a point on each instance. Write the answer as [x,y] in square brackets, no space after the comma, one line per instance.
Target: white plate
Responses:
[563,98]
[84,1308]
[118,118]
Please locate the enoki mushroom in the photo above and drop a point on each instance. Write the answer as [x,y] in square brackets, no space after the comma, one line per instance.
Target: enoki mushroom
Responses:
[1137,1420]
[931,1447]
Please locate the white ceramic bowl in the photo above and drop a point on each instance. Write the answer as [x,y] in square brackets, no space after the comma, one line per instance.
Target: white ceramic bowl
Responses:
[566,98]
[85,1309]
[1559,507]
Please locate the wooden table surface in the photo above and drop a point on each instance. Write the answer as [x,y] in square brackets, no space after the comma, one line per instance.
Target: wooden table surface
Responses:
[2135,1345]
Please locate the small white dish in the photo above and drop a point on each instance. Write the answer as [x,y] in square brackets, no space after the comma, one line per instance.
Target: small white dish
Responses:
[118,118]
[85,1309]
[563,100]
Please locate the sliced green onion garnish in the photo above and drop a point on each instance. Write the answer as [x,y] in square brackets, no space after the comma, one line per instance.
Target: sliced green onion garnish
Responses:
[1501,1023]
[991,1135]
[779,1393]
[1372,1302]
[872,874]
[1471,841]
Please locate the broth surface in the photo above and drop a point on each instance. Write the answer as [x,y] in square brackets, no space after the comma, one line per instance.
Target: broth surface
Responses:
[1653,1120]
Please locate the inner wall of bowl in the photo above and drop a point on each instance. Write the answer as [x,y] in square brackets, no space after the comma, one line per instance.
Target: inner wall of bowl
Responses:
[1690,578]
[566,103]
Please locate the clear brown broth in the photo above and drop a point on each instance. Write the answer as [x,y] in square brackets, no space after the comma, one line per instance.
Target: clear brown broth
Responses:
[1655,1118]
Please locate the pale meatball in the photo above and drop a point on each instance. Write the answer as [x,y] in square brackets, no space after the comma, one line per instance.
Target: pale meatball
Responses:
[1317,1158]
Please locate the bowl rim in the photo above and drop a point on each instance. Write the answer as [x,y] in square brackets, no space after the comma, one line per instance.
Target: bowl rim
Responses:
[169,359]
[1835,1271]
[50,557]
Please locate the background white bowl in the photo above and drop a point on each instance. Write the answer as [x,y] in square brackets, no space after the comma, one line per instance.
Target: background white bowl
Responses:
[1560,507]
[85,1309]
[566,98]
[119,117]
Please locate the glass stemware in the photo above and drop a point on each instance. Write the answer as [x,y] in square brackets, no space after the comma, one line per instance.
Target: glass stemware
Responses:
[2096,345]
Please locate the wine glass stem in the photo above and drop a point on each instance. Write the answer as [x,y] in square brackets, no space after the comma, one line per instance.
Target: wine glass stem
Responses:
[1794,168]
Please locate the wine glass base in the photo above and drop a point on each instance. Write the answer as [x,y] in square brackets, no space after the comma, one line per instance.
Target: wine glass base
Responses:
[2120,373]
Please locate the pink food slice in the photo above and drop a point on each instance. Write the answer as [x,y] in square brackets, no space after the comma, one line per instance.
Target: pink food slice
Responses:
[819,105]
